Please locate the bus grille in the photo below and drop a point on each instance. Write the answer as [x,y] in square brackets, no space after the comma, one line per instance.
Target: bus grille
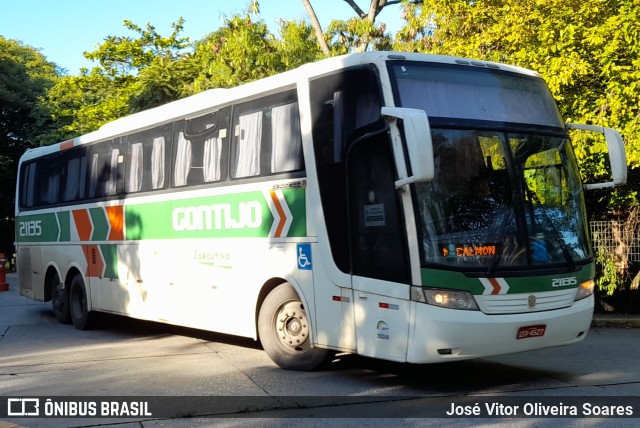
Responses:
[525,302]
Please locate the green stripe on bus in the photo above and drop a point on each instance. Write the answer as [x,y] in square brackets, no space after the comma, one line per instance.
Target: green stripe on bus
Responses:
[241,215]
[64,221]
[522,284]
[37,228]
[296,199]
[100,224]
[110,256]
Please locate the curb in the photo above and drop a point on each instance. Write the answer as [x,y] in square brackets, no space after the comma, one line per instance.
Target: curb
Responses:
[616,321]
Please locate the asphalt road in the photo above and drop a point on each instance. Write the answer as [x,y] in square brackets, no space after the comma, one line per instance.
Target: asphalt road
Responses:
[41,358]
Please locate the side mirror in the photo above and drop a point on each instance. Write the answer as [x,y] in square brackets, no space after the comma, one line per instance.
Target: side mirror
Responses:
[617,155]
[418,141]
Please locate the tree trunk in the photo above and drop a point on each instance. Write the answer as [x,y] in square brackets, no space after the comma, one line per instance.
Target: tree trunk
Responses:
[316,26]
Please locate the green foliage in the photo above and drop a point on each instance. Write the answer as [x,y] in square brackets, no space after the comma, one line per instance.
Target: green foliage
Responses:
[244,50]
[356,34]
[119,56]
[607,277]
[134,73]
[83,103]
[297,44]
[241,51]
[587,51]
[25,76]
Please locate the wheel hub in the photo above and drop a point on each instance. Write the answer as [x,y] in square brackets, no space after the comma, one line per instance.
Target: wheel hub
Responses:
[292,325]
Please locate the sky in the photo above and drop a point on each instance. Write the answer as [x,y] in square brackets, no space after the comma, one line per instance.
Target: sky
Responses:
[63,29]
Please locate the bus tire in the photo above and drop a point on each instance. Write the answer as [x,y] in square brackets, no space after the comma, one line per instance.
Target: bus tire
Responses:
[284,331]
[82,318]
[60,300]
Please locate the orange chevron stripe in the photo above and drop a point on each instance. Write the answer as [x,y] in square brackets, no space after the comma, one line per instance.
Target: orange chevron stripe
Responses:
[115,214]
[496,285]
[83,224]
[95,262]
[283,217]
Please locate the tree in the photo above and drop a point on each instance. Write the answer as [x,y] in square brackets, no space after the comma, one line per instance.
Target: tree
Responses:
[358,33]
[130,76]
[244,50]
[586,51]
[317,28]
[25,76]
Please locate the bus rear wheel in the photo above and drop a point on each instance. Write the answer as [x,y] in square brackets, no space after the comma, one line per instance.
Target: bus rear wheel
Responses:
[60,300]
[82,318]
[284,331]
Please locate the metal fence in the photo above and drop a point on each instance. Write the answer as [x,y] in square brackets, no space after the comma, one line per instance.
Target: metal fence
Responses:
[621,240]
[609,235]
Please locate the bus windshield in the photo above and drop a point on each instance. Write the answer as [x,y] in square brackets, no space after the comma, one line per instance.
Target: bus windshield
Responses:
[506,193]
[502,201]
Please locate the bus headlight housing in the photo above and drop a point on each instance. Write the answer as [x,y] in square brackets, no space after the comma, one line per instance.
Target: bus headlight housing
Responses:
[451,299]
[585,290]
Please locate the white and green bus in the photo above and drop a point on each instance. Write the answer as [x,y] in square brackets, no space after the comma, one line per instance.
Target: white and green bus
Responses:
[407,207]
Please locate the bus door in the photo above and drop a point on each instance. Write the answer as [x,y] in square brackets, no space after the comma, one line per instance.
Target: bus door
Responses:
[378,249]
[361,293]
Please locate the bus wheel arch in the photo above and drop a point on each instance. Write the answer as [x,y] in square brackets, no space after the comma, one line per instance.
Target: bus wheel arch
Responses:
[81,316]
[284,329]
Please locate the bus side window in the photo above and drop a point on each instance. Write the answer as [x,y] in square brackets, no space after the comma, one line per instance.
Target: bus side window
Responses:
[106,162]
[201,149]
[266,136]
[286,140]
[344,107]
[147,159]
[74,165]
[47,183]
[248,137]
[27,183]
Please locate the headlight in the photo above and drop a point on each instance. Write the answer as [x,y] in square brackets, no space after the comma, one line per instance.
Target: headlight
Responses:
[452,299]
[585,290]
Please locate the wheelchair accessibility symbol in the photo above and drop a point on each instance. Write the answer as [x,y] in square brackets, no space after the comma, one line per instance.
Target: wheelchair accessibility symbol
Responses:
[304,256]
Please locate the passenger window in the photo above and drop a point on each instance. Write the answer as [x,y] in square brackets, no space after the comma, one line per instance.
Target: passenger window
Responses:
[28,185]
[47,181]
[201,149]
[148,159]
[267,137]
[106,169]
[75,172]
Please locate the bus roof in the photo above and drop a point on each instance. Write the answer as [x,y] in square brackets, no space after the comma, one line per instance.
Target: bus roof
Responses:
[209,99]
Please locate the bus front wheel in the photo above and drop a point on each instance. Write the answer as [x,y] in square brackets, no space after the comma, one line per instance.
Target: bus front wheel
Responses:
[60,300]
[82,318]
[284,329]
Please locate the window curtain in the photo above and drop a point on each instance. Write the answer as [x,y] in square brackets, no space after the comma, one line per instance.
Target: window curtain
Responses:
[248,148]
[285,138]
[136,169]
[73,179]
[110,186]
[54,185]
[157,163]
[183,161]
[211,162]
[94,175]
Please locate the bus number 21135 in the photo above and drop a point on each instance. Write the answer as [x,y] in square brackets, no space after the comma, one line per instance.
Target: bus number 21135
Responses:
[30,228]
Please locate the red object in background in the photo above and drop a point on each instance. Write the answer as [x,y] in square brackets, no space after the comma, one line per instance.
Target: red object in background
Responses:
[3,280]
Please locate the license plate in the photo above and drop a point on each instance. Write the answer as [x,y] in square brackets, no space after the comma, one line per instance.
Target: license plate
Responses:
[531,331]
